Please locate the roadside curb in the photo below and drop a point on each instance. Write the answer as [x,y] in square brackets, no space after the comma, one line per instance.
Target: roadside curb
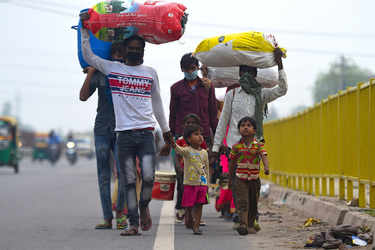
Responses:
[358,219]
[309,205]
[312,206]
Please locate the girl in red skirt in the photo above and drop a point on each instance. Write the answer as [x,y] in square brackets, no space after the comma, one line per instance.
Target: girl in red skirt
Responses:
[196,174]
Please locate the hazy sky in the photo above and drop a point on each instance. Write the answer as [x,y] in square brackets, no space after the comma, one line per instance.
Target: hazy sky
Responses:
[39,65]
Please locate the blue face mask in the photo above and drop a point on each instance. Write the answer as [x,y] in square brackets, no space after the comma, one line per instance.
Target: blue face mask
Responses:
[191,76]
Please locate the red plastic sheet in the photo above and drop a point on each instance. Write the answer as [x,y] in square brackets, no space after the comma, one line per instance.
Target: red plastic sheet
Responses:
[157,22]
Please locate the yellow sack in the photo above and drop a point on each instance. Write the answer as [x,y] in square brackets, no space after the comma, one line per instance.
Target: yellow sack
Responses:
[248,48]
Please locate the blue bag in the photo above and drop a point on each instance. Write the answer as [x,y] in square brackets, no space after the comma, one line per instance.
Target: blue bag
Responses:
[99,47]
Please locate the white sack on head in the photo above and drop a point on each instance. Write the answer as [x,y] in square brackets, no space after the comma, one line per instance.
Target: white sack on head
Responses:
[268,78]
[222,77]
[248,48]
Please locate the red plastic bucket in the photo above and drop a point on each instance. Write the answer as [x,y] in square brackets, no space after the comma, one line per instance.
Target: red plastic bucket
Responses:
[164,185]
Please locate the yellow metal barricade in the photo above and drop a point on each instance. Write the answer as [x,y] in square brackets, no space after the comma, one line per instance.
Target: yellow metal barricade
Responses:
[334,140]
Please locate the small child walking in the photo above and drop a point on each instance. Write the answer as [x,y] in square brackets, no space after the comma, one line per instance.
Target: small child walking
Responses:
[246,155]
[196,174]
[189,119]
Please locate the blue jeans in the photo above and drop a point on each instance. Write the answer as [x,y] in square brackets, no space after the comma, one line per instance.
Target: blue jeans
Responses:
[104,144]
[132,144]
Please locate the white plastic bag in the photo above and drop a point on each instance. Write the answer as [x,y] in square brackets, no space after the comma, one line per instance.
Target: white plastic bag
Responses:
[220,94]
[269,78]
[222,77]
[247,48]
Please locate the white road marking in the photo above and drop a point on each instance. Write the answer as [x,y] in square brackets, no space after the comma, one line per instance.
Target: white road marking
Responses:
[164,239]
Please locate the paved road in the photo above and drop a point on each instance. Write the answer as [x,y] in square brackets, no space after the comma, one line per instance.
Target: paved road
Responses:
[46,207]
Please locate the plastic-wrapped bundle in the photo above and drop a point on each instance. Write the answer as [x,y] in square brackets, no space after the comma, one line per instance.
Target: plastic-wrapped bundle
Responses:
[152,27]
[157,22]
[226,76]
[99,47]
[248,48]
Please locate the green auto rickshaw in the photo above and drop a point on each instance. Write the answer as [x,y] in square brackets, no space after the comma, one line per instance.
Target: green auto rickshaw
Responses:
[9,142]
[40,149]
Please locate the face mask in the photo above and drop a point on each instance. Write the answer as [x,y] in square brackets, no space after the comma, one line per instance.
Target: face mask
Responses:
[135,57]
[191,76]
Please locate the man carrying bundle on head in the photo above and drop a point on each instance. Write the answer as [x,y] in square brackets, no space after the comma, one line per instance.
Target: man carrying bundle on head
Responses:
[136,98]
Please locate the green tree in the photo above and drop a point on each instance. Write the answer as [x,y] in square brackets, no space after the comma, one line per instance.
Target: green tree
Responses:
[341,74]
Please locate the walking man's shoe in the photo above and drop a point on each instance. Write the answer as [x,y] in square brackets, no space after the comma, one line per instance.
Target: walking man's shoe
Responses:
[105,225]
[242,230]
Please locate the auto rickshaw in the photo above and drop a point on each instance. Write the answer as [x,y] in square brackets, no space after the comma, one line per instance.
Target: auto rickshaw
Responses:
[40,149]
[9,142]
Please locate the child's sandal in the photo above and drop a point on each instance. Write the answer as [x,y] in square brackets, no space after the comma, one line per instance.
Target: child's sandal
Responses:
[197,232]
[122,222]
[242,230]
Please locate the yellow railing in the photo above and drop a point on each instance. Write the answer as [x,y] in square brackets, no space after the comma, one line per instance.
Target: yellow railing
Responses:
[328,149]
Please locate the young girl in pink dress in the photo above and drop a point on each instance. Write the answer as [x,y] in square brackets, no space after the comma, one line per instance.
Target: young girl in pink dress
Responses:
[196,174]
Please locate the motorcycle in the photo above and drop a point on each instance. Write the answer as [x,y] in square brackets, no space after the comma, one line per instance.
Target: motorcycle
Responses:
[54,153]
[71,152]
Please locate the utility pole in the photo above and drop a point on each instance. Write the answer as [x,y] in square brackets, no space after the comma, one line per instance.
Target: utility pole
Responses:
[18,106]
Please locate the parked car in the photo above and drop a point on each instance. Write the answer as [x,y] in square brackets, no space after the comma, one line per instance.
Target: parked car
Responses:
[85,147]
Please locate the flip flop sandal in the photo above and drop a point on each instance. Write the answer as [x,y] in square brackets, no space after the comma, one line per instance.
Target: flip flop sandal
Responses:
[104,226]
[242,230]
[145,226]
[146,221]
[197,232]
[122,223]
[130,232]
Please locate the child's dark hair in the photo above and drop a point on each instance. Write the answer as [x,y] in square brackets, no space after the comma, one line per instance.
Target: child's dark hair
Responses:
[188,60]
[247,119]
[117,47]
[189,130]
[132,38]
[192,116]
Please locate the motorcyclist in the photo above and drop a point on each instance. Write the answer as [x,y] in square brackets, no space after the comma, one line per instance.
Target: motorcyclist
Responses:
[71,152]
[54,143]
[70,137]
